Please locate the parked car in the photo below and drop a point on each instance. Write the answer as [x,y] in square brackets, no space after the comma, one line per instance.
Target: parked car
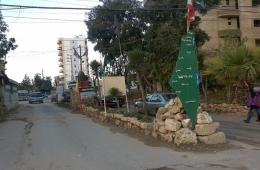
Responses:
[23,95]
[36,97]
[112,101]
[155,101]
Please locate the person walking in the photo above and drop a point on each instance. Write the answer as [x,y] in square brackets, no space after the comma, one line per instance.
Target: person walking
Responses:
[253,103]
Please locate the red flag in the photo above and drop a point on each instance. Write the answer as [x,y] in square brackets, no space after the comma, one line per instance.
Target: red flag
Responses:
[191,11]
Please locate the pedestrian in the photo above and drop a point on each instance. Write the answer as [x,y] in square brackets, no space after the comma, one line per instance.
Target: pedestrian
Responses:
[253,103]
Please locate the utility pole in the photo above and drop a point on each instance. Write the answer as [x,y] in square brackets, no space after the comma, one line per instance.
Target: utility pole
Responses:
[79,55]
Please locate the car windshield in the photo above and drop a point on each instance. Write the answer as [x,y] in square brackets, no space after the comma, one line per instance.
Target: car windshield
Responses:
[168,96]
[22,94]
[36,95]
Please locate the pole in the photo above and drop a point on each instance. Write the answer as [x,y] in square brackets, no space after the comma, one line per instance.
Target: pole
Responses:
[80,58]
[105,107]
[126,98]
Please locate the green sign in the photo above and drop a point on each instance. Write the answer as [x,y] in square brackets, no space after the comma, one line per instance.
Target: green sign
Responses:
[185,79]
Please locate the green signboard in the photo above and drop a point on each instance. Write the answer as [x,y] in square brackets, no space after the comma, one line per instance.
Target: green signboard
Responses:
[185,79]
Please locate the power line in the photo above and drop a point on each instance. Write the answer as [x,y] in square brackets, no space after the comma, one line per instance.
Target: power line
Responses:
[52,19]
[87,8]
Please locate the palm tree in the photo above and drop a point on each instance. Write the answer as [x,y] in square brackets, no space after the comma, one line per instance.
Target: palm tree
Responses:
[95,67]
[235,64]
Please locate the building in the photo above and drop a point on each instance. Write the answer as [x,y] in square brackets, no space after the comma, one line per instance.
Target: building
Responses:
[239,18]
[8,90]
[69,61]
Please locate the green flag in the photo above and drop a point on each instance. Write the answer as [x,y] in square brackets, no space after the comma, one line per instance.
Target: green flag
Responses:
[185,78]
[201,3]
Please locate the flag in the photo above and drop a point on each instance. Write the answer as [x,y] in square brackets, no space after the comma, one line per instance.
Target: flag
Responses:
[191,11]
[201,3]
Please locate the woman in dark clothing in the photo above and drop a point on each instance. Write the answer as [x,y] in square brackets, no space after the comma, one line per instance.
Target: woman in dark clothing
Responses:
[253,104]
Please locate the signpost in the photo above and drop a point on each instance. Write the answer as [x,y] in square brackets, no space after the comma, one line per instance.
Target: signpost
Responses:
[185,79]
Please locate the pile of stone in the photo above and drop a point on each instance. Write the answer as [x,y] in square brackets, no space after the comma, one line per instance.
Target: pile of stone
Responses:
[172,125]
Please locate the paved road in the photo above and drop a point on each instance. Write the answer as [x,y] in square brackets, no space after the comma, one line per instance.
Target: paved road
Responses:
[47,137]
[236,129]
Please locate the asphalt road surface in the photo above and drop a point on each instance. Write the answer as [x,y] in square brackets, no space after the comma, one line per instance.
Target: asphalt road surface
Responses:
[47,137]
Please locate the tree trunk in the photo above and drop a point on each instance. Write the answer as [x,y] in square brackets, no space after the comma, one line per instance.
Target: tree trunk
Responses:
[98,85]
[142,92]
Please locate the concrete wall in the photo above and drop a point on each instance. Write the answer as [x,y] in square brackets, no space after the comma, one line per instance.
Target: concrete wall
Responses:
[9,96]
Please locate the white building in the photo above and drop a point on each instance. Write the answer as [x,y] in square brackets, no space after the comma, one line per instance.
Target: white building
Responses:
[69,62]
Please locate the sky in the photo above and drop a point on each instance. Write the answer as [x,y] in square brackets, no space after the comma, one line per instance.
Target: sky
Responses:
[37,38]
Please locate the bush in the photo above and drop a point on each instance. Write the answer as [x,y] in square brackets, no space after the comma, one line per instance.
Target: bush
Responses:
[114,92]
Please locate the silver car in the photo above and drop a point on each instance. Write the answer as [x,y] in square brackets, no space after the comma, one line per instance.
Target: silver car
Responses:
[36,97]
[155,101]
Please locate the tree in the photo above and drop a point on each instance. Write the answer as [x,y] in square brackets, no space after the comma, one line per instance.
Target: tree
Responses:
[46,85]
[137,63]
[6,44]
[95,67]
[26,83]
[37,81]
[155,28]
[115,31]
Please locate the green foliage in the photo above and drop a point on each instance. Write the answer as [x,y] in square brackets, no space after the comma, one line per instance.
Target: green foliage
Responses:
[114,92]
[41,84]
[26,83]
[6,44]
[95,65]
[139,116]
[82,76]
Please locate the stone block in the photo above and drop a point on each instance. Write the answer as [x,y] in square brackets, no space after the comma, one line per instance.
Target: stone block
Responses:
[204,118]
[186,123]
[216,138]
[206,129]
[185,136]
[172,125]
[162,129]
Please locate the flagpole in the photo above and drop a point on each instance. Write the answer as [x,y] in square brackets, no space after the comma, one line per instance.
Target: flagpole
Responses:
[187,18]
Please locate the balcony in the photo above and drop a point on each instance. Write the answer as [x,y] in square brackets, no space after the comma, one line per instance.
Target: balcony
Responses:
[59,42]
[59,48]
[234,33]
[61,65]
[227,13]
[60,53]
[61,59]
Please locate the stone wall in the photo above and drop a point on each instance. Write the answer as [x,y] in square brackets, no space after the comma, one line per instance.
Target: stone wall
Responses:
[225,108]
[170,125]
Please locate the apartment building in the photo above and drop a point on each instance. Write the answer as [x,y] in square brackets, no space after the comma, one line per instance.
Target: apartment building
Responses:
[69,61]
[238,18]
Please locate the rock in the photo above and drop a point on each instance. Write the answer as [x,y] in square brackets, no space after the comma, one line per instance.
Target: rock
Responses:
[177,102]
[146,125]
[162,129]
[186,123]
[172,125]
[204,118]
[161,110]
[206,129]
[185,136]
[159,122]
[216,138]
[179,116]
[154,134]
[117,122]
[175,109]
[166,137]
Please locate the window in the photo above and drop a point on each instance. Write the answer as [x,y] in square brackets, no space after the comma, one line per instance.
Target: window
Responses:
[257,42]
[255,2]
[229,21]
[227,2]
[257,23]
